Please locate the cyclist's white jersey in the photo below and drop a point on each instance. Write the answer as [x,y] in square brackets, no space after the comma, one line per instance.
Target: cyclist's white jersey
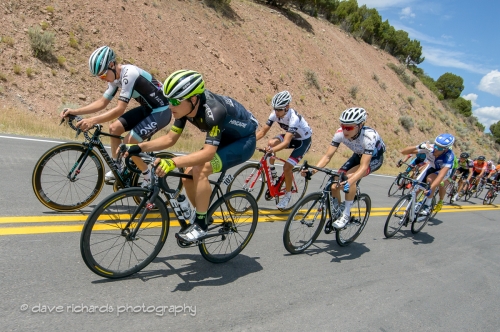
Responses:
[368,141]
[293,123]
[444,160]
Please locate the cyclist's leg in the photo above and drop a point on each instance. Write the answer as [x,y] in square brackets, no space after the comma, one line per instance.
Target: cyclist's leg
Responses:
[125,123]
[300,149]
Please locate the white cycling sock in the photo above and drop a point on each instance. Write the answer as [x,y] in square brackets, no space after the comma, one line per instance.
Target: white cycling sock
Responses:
[347,208]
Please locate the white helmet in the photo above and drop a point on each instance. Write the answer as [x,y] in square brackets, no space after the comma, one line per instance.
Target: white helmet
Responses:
[281,99]
[353,115]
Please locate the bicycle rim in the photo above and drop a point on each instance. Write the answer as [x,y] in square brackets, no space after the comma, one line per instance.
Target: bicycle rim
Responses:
[249,179]
[304,223]
[50,178]
[397,217]
[393,189]
[420,221]
[105,245]
[360,212]
[233,224]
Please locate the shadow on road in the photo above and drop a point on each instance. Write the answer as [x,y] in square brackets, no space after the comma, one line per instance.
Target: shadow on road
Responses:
[352,251]
[196,271]
[420,238]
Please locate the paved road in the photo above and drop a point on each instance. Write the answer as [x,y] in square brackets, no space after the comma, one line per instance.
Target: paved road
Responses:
[446,278]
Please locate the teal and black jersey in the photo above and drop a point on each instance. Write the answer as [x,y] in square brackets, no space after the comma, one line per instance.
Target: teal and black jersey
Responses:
[222,118]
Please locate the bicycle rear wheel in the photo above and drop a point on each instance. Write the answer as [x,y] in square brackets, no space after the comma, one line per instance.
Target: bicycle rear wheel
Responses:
[420,221]
[233,224]
[299,188]
[250,179]
[360,212]
[489,197]
[50,179]
[106,244]
[479,190]
[468,194]
[397,217]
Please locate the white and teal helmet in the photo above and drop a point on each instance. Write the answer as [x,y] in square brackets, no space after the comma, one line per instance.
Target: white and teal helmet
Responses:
[100,59]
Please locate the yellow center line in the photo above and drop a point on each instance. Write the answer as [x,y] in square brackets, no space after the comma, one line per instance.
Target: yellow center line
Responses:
[265,215]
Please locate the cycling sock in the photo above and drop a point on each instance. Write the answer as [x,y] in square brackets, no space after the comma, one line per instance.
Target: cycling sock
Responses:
[347,208]
[200,220]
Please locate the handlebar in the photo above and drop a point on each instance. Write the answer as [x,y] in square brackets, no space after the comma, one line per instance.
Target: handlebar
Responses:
[342,176]
[70,118]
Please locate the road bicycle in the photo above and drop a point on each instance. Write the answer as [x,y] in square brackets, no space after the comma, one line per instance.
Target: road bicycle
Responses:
[400,183]
[470,188]
[307,219]
[480,187]
[70,176]
[406,210]
[254,177]
[121,237]
[491,193]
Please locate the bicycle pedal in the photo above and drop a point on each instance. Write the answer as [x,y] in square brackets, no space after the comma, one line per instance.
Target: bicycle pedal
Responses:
[329,226]
[109,182]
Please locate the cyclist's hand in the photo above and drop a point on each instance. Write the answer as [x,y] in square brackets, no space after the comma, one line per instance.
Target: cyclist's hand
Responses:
[65,112]
[425,146]
[127,149]
[399,163]
[85,124]
[164,166]
[269,149]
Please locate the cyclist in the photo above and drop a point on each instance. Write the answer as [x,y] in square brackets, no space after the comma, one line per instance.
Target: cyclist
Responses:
[446,182]
[479,170]
[230,140]
[143,121]
[417,163]
[464,171]
[368,155]
[297,137]
[440,157]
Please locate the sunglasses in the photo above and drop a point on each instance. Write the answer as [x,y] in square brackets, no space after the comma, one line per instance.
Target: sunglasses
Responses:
[439,148]
[103,76]
[348,128]
[174,101]
[279,109]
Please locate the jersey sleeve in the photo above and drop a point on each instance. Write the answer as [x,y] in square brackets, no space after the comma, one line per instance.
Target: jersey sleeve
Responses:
[271,119]
[111,91]
[129,74]
[337,138]
[179,125]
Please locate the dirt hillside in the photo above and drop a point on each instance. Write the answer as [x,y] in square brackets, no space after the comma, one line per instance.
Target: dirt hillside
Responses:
[248,51]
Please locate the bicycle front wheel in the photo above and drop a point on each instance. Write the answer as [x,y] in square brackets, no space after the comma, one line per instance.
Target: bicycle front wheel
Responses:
[233,226]
[360,212]
[420,221]
[250,179]
[479,190]
[62,181]
[108,245]
[397,217]
[304,223]
[489,197]
[394,186]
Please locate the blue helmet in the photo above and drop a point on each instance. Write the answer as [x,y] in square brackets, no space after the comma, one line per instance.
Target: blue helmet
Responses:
[445,140]
[99,60]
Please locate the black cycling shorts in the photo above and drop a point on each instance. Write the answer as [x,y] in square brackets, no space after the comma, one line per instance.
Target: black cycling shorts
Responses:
[233,154]
[375,163]
[143,122]
[300,148]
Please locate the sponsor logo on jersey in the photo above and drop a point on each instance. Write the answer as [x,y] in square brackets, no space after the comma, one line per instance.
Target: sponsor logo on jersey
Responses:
[214,132]
[208,112]
[228,101]
[238,123]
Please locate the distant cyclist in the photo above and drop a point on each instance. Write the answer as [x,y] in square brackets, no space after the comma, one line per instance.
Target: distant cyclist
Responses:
[142,121]
[230,140]
[368,155]
[440,157]
[297,137]
[479,170]
[417,164]
[464,171]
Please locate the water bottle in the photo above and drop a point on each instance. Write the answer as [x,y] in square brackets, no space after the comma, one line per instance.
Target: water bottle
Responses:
[274,174]
[334,206]
[185,206]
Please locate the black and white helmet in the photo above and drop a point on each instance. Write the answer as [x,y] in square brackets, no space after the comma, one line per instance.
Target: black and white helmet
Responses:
[353,115]
[281,99]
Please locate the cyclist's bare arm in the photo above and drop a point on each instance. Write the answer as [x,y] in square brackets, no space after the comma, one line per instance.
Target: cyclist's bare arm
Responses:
[262,132]
[160,143]
[96,106]
[326,157]
[409,150]
[112,114]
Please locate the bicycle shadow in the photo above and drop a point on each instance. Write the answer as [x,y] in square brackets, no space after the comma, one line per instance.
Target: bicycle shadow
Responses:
[339,254]
[417,239]
[434,222]
[196,271]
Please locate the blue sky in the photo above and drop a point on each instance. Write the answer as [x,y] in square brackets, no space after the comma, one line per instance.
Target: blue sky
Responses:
[457,36]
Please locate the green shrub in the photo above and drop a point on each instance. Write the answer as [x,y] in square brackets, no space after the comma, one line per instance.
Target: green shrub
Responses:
[424,126]
[8,40]
[17,69]
[50,9]
[3,77]
[410,100]
[353,91]
[375,77]
[29,72]
[42,43]
[61,60]
[406,121]
[383,86]
[45,25]
[312,79]
[73,42]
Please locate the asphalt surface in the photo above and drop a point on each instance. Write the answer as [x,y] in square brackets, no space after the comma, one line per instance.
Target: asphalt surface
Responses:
[444,279]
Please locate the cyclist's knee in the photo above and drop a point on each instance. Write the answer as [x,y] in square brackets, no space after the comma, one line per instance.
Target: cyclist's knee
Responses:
[116,128]
[202,171]
[287,168]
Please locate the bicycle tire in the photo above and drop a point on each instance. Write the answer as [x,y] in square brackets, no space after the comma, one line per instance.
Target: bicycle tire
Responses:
[479,190]
[239,217]
[468,194]
[416,224]
[50,178]
[357,222]
[299,189]
[400,211]
[489,197]
[246,175]
[106,226]
[299,234]
[395,186]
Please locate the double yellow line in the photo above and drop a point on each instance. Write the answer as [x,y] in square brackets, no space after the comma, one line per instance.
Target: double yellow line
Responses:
[68,223]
